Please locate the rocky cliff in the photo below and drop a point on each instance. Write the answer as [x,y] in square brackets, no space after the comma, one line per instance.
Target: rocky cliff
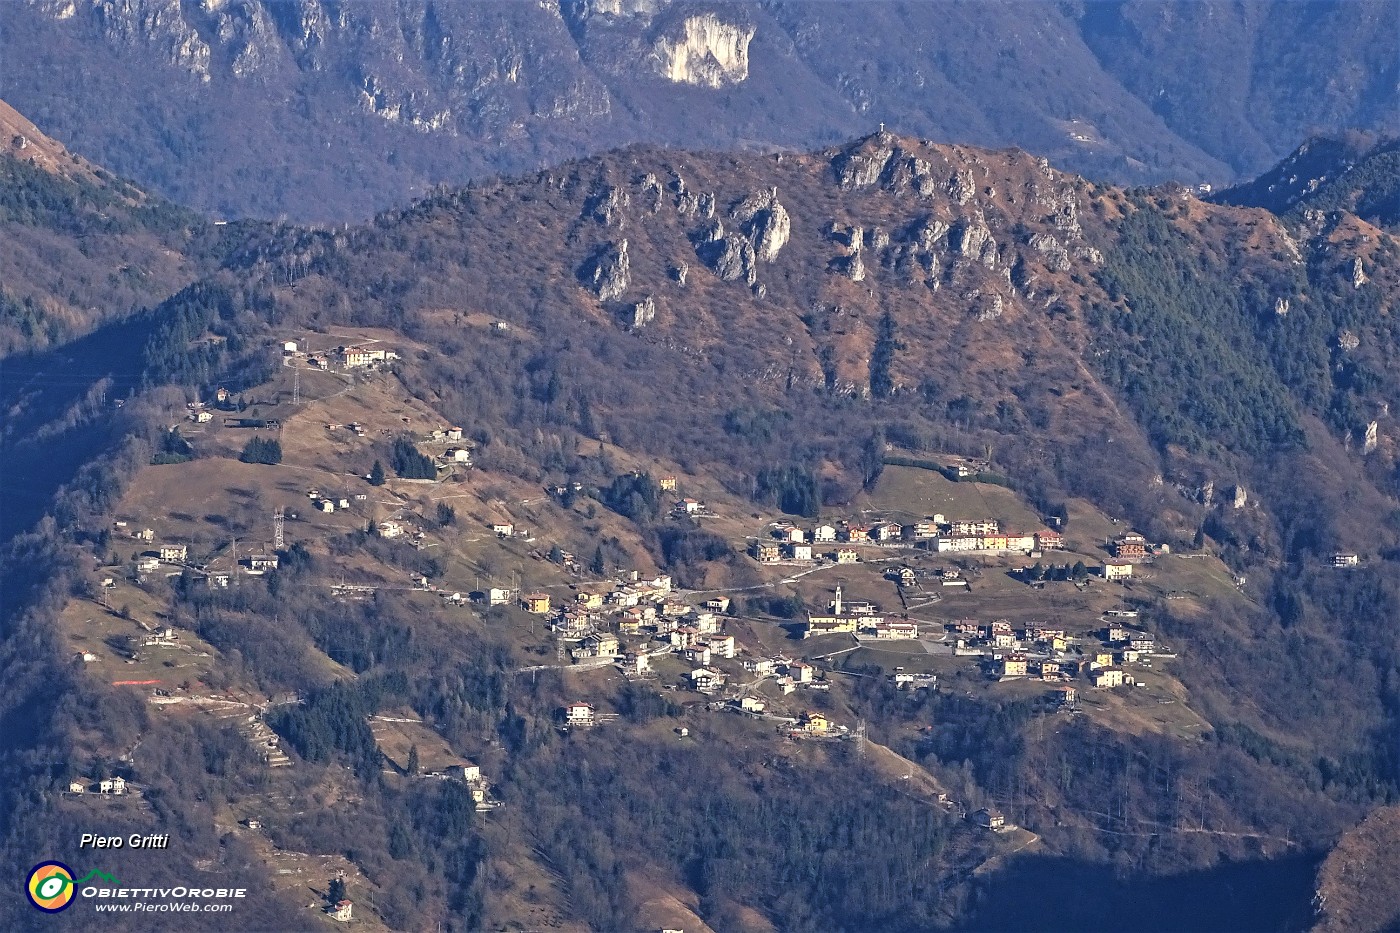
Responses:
[326,110]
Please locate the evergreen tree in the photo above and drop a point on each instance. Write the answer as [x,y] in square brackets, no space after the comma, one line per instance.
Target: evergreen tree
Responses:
[412,760]
[336,893]
[262,450]
[587,426]
[794,489]
[598,566]
[410,463]
[376,474]
[881,382]
[872,457]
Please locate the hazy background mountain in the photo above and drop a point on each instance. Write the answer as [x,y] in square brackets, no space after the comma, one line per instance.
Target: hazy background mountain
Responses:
[327,110]
[1352,171]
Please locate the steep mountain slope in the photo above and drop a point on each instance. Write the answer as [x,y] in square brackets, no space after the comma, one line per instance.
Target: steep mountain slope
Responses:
[1357,887]
[24,140]
[325,111]
[768,332]
[1245,81]
[1005,280]
[79,247]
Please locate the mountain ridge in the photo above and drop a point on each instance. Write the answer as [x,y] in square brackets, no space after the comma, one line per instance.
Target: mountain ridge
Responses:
[330,112]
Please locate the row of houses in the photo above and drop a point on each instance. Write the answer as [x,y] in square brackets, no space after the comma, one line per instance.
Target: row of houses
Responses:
[361,357]
[768,553]
[935,533]
[1104,671]
[907,577]
[115,786]
[993,542]
[347,357]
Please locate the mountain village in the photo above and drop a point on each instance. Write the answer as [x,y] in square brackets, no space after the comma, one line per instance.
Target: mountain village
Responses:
[944,580]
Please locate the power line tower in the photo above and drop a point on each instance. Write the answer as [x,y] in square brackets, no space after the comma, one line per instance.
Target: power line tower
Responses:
[277,519]
[860,740]
[296,385]
[236,578]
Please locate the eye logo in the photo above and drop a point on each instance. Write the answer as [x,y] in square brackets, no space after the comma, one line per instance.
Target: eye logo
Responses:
[50,886]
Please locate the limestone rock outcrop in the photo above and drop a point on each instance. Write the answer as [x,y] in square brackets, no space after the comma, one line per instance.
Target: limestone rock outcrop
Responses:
[863,166]
[766,221]
[708,52]
[971,239]
[609,271]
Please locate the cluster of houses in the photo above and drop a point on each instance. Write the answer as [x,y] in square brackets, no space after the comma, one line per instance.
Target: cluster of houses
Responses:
[114,786]
[690,508]
[935,533]
[347,357]
[458,454]
[909,577]
[354,427]
[1050,654]
[593,622]
[470,775]
[328,503]
[789,674]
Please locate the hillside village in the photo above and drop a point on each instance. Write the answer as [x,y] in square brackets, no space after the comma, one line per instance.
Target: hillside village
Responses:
[948,594]
[936,580]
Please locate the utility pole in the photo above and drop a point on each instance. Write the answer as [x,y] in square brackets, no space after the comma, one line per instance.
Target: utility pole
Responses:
[236,579]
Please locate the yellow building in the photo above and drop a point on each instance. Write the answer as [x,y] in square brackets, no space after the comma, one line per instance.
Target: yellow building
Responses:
[1117,570]
[538,603]
[1108,678]
[764,553]
[1013,665]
